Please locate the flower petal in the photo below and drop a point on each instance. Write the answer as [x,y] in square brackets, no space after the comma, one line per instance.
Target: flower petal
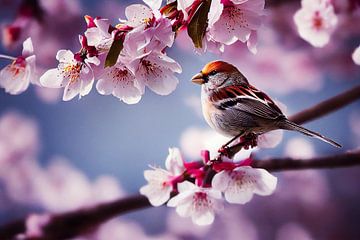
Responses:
[52,79]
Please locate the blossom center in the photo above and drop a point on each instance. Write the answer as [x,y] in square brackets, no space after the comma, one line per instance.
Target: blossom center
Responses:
[119,74]
[72,71]
[201,201]
[317,21]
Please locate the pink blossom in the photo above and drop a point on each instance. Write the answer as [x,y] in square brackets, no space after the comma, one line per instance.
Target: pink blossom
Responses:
[316,21]
[98,35]
[75,75]
[240,184]
[138,15]
[119,81]
[34,225]
[160,183]
[156,71]
[154,4]
[48,95]
[16,77]
[149,36]
[196,202]
[356,55]
[239,20]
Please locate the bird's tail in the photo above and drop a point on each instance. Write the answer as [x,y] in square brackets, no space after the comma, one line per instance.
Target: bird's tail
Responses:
[288,125]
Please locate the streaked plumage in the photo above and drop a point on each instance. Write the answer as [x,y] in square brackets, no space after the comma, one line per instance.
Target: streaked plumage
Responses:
[232,106]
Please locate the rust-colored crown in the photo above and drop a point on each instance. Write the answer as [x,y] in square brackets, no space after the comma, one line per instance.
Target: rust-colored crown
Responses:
[218,66]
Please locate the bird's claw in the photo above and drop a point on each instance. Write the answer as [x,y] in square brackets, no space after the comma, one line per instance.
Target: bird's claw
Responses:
[224,151]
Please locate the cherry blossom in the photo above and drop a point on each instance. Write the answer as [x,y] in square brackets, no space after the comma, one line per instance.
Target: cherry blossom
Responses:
[120,82]
[239,20]
[240,184]
[356,56]
[196,202]
[16,77]
[72,73]
[149,33]
[156,71]
[154,4]
[138,15]
[160,181]
[98,34]
[316,21]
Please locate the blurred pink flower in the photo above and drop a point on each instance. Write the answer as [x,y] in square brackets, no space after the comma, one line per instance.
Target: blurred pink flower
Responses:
[356,56]
[294,182]
[160,183]
[299,148]
[18,139]
[274,76]
[16,77]
[62,9]
[180,226]
[61,187]
[48,95]
[293,231]
[316,21]
[196,202]
[34,225]
[194,139]
[355,126]
[240,184]
[75,75]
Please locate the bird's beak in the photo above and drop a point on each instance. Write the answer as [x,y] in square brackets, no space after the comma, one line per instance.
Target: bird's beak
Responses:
[198,79]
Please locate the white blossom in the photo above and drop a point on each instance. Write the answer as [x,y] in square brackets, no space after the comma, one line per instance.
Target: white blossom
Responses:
[240,184]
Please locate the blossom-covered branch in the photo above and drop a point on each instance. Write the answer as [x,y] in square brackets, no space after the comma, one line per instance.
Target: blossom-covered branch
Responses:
[82,221]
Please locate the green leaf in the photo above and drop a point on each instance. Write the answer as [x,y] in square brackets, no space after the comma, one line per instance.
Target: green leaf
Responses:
[114,52]
[198,23]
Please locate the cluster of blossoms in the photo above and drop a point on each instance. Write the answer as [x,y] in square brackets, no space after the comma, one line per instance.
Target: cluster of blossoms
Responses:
[126,58]
[195,188]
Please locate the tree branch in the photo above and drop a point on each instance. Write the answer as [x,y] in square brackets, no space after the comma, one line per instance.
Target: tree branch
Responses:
[85,220]
[327,106]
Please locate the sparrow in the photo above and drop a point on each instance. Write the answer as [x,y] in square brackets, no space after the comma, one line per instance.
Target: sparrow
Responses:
[235,108]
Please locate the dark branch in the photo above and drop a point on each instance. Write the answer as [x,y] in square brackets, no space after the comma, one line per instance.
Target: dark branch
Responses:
[327,106]
[282,164]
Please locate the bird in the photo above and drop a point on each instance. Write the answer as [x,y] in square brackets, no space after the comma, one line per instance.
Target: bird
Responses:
[235,108]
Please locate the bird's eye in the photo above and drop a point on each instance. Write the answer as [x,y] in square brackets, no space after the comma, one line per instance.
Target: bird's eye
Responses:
[213,72]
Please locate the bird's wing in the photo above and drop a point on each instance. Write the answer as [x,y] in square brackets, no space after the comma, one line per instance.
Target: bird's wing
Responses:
[247,99]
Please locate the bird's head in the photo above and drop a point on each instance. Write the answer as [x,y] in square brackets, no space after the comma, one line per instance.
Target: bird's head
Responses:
[219,74]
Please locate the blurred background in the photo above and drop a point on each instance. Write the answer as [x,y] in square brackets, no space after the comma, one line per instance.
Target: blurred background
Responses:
[57,156]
